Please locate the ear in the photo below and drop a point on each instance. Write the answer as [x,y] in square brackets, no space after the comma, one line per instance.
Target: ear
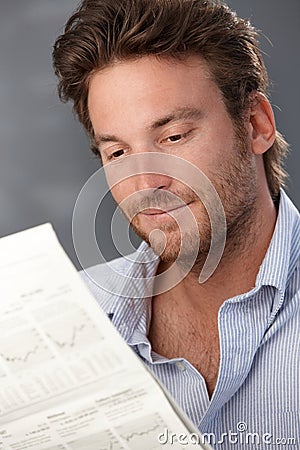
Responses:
[262,124]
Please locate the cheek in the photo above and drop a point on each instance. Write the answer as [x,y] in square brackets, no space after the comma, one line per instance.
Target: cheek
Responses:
[212,149]
[122,191]
[117,193]
[204,154]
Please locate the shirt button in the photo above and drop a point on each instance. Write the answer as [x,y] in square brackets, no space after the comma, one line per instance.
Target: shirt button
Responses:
[180,366]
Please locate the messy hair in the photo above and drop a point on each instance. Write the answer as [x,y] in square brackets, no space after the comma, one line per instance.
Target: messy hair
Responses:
[101,32]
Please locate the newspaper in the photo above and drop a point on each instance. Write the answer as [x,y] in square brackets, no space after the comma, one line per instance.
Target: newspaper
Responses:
[68,381]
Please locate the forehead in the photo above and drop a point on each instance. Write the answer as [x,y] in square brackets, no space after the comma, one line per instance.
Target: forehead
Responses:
[149,87]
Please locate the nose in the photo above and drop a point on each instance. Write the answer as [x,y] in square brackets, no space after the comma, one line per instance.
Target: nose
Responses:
[148,174]
[151,181]
[142,170]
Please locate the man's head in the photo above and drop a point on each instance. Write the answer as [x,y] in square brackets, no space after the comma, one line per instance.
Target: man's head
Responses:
[166,107]
[103,32]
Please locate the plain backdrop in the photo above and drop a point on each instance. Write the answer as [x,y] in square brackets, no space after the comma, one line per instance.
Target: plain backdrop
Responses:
[44,153]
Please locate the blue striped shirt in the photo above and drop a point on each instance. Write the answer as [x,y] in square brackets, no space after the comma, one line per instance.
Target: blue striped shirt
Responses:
[256,401]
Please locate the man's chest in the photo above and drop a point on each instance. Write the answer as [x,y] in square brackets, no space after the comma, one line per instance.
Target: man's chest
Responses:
[195,341]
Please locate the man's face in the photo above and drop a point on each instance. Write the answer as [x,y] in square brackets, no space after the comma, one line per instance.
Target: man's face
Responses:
[171,107]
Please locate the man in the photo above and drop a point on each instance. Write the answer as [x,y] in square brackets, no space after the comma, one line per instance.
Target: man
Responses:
[184,78]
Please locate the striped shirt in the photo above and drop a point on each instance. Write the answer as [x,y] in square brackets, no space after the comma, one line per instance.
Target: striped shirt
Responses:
[256,401]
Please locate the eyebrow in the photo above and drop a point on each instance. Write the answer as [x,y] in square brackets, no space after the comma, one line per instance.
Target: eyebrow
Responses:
[185,113]
[102,138]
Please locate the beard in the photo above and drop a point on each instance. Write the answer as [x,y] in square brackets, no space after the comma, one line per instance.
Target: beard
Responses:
[235,181]
[177,242]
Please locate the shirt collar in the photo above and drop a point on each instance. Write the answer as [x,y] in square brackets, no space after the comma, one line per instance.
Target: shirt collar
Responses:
[133,313]
[280,259]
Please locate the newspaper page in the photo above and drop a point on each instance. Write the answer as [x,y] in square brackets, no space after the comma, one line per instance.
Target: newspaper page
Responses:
[68,381]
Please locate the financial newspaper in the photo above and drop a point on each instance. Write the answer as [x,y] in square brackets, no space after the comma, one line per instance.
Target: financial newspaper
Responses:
[68,381]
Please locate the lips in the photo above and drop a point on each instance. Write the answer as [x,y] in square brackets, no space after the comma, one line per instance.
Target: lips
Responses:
[153,211]
[158,211]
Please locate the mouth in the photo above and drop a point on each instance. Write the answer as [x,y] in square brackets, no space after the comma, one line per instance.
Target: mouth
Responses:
[158,212]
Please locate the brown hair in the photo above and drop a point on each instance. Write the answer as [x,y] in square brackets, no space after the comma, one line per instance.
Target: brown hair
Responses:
[102,32]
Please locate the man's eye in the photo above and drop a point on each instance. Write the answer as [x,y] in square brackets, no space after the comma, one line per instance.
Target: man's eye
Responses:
[175,137]
[116,154]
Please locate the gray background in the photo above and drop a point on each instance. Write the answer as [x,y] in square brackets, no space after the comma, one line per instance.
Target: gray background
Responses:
[44,154]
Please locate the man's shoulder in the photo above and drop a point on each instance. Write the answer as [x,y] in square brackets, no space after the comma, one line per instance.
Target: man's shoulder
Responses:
[120,264]
[290,226]
[97,279]
[122,278]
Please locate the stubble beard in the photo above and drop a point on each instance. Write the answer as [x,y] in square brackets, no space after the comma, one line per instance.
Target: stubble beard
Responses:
[236,184]
[180,242]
